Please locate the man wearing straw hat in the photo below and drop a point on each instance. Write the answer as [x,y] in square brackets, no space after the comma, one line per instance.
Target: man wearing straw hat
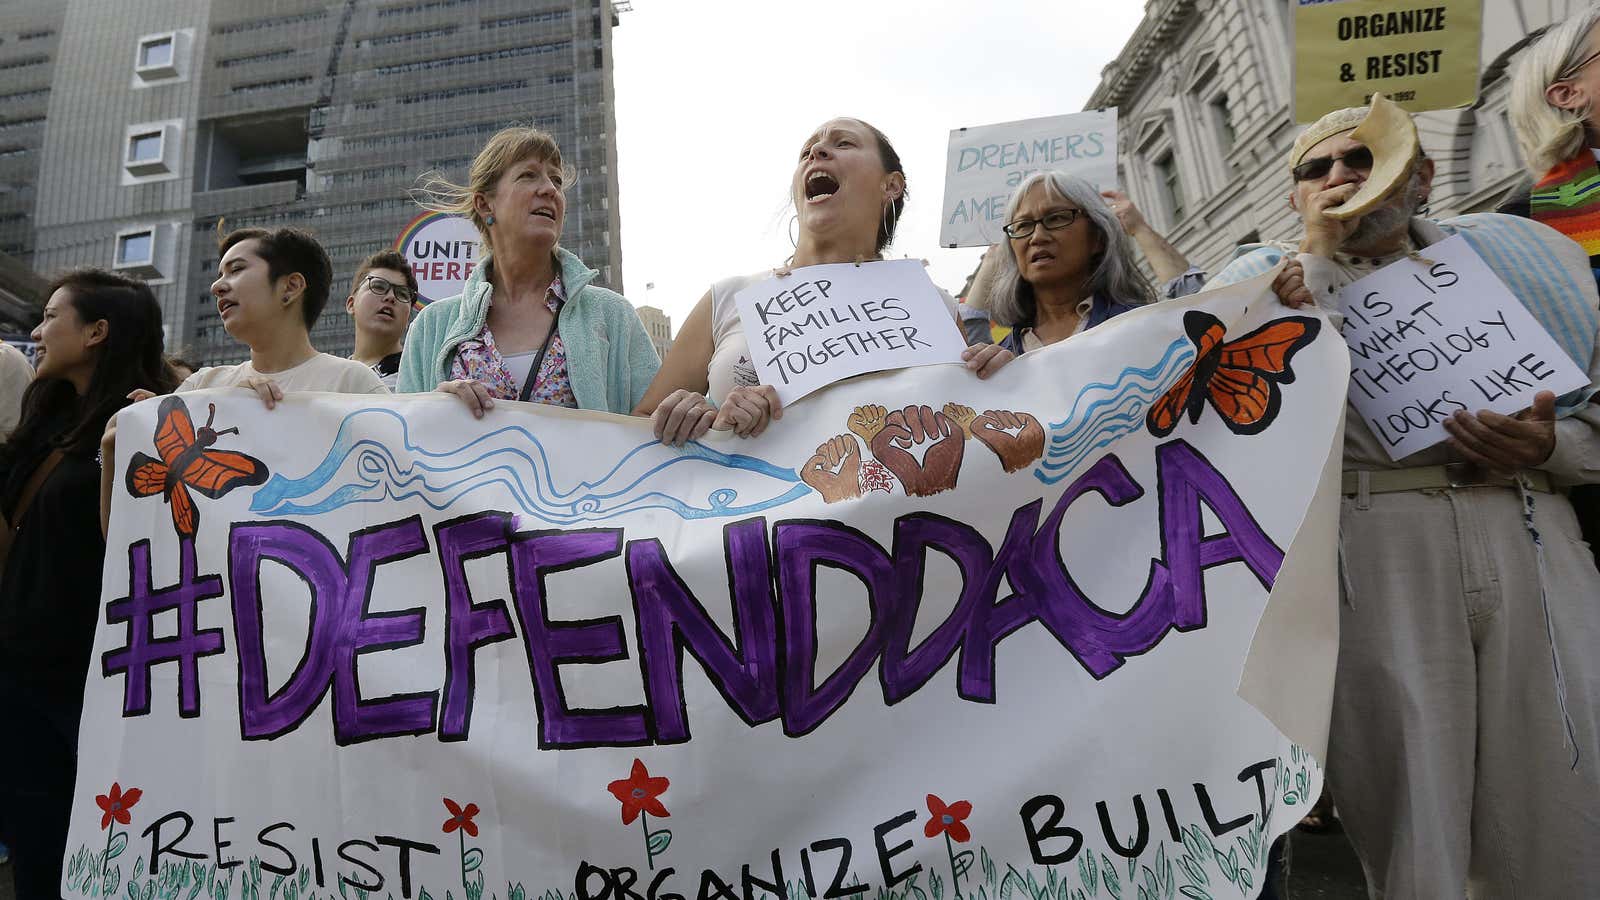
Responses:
[1465,751]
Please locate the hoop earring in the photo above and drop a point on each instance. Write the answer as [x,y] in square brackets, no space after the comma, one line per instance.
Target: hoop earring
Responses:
[794,232]
[891,221]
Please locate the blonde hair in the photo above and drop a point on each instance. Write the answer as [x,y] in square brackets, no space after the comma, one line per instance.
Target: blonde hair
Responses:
[1547,134]
[505,149]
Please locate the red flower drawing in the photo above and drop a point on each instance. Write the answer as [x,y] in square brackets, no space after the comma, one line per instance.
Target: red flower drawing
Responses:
[639,793]
[949,820]
[116,805]
[875,477]
[460,818]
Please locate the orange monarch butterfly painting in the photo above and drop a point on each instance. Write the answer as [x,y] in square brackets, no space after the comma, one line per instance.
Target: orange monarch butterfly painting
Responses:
[1239,377]
[186,462]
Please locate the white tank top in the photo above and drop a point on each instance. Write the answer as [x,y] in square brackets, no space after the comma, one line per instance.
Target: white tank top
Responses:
[730,366]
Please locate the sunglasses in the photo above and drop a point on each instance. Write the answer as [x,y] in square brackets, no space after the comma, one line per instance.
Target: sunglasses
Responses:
[383,288]
[1359,159]
[1055,221]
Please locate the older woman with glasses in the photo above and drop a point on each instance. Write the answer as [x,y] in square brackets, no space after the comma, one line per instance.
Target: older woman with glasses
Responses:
[1069,264]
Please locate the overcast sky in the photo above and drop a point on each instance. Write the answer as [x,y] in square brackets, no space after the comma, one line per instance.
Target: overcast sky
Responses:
[715,97]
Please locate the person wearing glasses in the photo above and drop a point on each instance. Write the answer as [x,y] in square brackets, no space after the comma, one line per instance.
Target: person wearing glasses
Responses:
[380,301]
[1465,743]
[531,323]
[1069,264]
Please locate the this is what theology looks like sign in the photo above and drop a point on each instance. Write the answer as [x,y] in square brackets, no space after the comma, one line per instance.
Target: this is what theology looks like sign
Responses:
[1439,334]
[928,636]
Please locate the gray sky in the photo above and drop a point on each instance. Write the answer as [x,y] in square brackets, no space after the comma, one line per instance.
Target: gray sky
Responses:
[715,97]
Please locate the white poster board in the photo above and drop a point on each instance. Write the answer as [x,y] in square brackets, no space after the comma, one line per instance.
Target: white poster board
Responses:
[442,250]
[389,650]
[986,163]
[819,324]
[1442,333]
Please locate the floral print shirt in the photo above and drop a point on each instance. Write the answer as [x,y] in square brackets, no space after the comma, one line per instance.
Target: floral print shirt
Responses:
[478,359]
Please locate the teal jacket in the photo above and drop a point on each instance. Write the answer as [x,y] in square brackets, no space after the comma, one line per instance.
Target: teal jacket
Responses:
[609,356]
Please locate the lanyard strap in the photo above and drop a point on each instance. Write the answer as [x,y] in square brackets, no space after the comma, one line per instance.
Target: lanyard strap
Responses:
[529,383]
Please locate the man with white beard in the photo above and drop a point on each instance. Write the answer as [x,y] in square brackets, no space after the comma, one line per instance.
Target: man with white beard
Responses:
[1465,751]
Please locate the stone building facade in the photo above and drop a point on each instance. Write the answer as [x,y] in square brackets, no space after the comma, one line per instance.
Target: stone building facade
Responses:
[658,325]
[178,115]
[1203,91]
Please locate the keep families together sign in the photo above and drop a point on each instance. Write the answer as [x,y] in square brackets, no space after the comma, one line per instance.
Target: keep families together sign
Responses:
[931,637]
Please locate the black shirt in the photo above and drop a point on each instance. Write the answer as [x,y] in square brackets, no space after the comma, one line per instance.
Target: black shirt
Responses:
[50,589]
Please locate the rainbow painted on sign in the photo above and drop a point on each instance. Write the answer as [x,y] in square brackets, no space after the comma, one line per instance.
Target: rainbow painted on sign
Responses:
[443,250]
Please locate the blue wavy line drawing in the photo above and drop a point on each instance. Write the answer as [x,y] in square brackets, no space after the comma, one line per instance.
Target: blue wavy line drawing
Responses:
[1103,412]
[389,465]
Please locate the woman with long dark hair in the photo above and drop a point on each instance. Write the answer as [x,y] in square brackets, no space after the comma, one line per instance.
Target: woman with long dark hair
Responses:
[99,342]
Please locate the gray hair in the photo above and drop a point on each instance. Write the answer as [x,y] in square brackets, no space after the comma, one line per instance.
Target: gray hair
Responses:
[1548,135]
[1116,273]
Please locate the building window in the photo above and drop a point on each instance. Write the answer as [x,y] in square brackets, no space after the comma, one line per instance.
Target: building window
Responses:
[157,57]
[156,52]
[144,147]
[1222,118]
[135,249]
[150,150]
[146,152]
[1171,186]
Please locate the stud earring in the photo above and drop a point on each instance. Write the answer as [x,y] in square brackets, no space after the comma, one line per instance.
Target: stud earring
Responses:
[489,221]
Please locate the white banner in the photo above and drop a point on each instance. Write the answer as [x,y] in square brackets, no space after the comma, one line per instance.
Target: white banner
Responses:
[926,638]
[986,163]
[1440,334]
[819,324]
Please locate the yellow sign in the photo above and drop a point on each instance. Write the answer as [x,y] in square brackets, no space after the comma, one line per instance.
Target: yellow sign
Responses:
[1422,54]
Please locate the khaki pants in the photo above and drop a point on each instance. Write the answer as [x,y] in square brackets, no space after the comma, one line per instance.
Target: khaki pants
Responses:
[1448,757]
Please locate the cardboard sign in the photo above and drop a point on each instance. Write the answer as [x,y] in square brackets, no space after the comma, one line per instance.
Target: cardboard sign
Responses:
[823,323]
[1422,54]
[1432,336]
[987,163]
[442,250]
[393,651]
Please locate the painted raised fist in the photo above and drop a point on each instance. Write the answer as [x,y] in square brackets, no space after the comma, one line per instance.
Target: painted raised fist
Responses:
[1017,438]
[834,471]
[916,426]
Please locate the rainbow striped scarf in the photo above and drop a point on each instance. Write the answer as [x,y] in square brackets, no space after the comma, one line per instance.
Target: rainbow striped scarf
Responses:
[1567,199]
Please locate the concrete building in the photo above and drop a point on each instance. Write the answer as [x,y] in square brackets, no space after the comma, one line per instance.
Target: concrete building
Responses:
[178,115]
[1204,125]
[659,326]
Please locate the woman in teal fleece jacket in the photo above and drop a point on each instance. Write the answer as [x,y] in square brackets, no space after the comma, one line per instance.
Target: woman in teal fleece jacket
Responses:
[529,323]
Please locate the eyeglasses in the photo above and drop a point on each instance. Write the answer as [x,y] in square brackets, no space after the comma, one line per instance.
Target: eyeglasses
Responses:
[381,286]
[1359,159]
[1054,221]
[1579,67]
